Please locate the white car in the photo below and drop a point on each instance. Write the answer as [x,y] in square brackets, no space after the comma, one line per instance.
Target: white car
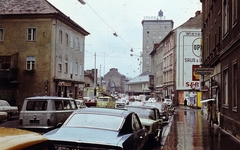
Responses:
[80,103]
[10,110]
[168,102]
[121,103]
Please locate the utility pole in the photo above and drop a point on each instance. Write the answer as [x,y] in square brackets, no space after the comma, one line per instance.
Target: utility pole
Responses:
[94,82]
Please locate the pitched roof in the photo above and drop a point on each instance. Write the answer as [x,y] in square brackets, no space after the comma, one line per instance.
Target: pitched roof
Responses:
[142,78]
[26,7]
[34,7]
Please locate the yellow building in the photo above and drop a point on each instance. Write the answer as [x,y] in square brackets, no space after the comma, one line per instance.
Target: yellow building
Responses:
[41,51]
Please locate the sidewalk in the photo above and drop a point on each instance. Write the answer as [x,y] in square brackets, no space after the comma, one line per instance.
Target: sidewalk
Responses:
[190,131]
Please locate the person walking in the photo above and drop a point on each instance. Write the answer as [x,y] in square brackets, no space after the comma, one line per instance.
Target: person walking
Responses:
[185,102]
[211,113]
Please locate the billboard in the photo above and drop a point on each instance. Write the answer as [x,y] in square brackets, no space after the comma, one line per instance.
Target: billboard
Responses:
[188,58]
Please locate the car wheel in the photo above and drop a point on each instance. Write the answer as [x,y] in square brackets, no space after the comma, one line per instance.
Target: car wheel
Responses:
[9,116]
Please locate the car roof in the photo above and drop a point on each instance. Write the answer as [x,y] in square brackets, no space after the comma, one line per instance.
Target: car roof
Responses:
[48,97]
[13,138]
[113,111]
[142,106]
[3,100]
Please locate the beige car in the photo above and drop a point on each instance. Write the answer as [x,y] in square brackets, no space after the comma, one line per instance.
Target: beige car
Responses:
[45,112]
[10,110]
[16,139]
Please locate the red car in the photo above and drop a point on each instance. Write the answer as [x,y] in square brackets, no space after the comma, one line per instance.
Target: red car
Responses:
[91,102]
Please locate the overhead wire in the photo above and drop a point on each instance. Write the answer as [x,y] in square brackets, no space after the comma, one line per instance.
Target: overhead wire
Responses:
[114,32]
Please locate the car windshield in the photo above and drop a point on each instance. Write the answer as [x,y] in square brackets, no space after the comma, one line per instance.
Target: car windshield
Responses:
[96,121]
[103,99]
[143,112]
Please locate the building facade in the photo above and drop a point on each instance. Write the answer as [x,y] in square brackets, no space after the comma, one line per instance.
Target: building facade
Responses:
[41,49]
[139,85]
[220,55]
[114,81]
[154,30]
[179,54]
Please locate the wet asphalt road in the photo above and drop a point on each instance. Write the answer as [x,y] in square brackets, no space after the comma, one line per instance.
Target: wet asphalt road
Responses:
[186,130]
[190,131]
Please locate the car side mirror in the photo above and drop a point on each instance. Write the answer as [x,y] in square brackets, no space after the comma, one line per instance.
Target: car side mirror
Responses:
[59,125]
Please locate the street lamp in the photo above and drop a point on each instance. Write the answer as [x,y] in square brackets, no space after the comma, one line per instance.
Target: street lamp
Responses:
[82,2]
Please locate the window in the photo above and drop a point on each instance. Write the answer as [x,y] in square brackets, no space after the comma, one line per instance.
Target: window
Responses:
[71,67]
[66,66]
[135,123]
[77,41]
[81,70]
[71,42]
[225,14]
[225,87]
[30,63]
[60,64]
[31,34]
[81,46]
[1,34]
[76,68]
[234,11]
[66,39]
[235,83]
[60,36]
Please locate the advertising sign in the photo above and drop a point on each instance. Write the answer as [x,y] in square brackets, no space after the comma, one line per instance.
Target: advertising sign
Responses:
[188,54]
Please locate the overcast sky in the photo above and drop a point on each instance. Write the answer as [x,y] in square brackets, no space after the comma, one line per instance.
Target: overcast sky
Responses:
[102,18]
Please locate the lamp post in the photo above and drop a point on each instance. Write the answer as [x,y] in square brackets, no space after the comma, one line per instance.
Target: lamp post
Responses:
[82,2]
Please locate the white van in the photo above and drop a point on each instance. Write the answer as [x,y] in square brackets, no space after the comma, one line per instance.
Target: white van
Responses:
[45,112]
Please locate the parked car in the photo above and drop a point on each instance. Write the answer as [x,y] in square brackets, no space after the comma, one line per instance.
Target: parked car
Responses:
[91,102]
[121,103]
[45,112]
[17,139]
[163,109]
[150,119]
[80,103]
[100,128]
[168,102]
[106,101]
[3,116]
[10,110]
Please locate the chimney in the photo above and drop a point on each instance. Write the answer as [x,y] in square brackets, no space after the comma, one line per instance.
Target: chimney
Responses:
[197,13]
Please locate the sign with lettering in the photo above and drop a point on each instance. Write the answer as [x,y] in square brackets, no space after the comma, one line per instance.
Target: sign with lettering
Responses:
[188,54]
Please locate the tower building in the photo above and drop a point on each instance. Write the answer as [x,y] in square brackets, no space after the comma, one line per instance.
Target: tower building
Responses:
[155,28]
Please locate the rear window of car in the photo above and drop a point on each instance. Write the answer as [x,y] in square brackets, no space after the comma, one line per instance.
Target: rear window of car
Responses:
[103,99]
[37,105]
[96,121]
[143,113]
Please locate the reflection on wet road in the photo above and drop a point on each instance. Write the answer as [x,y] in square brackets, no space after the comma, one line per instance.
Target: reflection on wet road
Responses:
[191,131]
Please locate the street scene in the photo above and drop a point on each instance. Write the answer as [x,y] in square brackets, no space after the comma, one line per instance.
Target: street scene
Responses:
[114,75]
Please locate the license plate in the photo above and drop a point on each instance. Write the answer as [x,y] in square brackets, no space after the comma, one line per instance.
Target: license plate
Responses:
[34,121]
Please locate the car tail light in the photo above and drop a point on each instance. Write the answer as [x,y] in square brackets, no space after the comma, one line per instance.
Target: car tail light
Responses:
[48,122]
[20,121]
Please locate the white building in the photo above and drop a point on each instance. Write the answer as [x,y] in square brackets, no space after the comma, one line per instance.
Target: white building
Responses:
[154,30]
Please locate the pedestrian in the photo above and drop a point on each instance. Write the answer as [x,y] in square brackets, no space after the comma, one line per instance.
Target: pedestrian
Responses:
[212,116]
[185,102]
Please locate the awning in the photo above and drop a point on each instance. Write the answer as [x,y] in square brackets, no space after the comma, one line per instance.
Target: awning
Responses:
[207,100]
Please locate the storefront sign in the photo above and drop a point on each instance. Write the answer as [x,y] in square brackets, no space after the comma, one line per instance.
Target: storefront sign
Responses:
[204,71]
[64,84]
